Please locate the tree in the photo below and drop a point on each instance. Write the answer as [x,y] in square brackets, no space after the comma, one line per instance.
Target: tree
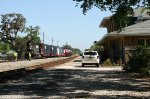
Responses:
[76,51]
[95,47]
[10,25]
[139,61]
[122,9]
[20,46]
[33,34]
[4,47]
[67,47]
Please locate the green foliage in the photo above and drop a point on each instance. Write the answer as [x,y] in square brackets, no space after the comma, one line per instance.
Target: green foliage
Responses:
[107,63]
[140,61]
[87,50]
[76,51]
[95,47]
[20,46]
[33,34]
[4,47]
[67,47]
[122,9]
[10,25]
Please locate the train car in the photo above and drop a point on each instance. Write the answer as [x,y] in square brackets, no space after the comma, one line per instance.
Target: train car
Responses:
[42,50]
[58,51]
[46,51]
[61,52]
[37,50]
[67,53]
[53,51]
[50,51]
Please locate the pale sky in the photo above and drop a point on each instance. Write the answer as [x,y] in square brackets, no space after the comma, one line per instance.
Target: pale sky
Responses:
[60,20]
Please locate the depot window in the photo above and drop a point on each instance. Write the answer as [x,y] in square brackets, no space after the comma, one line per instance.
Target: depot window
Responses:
[148,42]
[144,42]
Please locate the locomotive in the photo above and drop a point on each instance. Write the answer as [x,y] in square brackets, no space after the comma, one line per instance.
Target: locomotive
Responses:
[42,50]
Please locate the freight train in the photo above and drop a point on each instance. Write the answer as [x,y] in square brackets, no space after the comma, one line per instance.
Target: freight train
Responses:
[42,50]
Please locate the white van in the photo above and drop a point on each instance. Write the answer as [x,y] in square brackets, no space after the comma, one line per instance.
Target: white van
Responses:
[90,58]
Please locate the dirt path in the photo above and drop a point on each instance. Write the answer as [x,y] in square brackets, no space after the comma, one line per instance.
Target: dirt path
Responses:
[72,81]
[103,82]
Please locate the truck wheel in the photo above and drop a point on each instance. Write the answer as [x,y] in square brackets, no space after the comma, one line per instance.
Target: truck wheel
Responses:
[97,65]
[82,65]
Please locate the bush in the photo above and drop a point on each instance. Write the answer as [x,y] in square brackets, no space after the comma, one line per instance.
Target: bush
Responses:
[107,63]
[140,61]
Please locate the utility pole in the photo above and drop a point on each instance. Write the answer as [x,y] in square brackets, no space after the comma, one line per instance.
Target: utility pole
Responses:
[57,43]
[31,35]
[43,37]
[52,41]
[52,45]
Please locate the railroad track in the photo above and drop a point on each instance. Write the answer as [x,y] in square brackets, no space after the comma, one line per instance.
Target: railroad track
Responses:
[14,74]
[4,61]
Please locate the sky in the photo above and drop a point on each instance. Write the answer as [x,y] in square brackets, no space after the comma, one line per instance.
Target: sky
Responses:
[60,20]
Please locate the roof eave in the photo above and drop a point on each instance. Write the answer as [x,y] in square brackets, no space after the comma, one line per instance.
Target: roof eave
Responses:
[102,40]
[104,21]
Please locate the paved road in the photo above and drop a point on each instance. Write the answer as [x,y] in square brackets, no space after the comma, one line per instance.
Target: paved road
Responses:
[70,80]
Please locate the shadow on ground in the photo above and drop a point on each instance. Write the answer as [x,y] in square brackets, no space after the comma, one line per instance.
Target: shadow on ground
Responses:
[74,84]
[79,60]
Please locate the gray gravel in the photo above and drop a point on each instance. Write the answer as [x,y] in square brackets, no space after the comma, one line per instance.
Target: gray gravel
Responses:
[7,66]
[71,81]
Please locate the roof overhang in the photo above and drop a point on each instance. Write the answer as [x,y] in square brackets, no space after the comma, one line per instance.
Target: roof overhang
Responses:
[105,22]
[107,37]
[116,35]
[139,29]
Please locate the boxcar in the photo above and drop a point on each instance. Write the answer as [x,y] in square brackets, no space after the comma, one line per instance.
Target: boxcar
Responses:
[46,50]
